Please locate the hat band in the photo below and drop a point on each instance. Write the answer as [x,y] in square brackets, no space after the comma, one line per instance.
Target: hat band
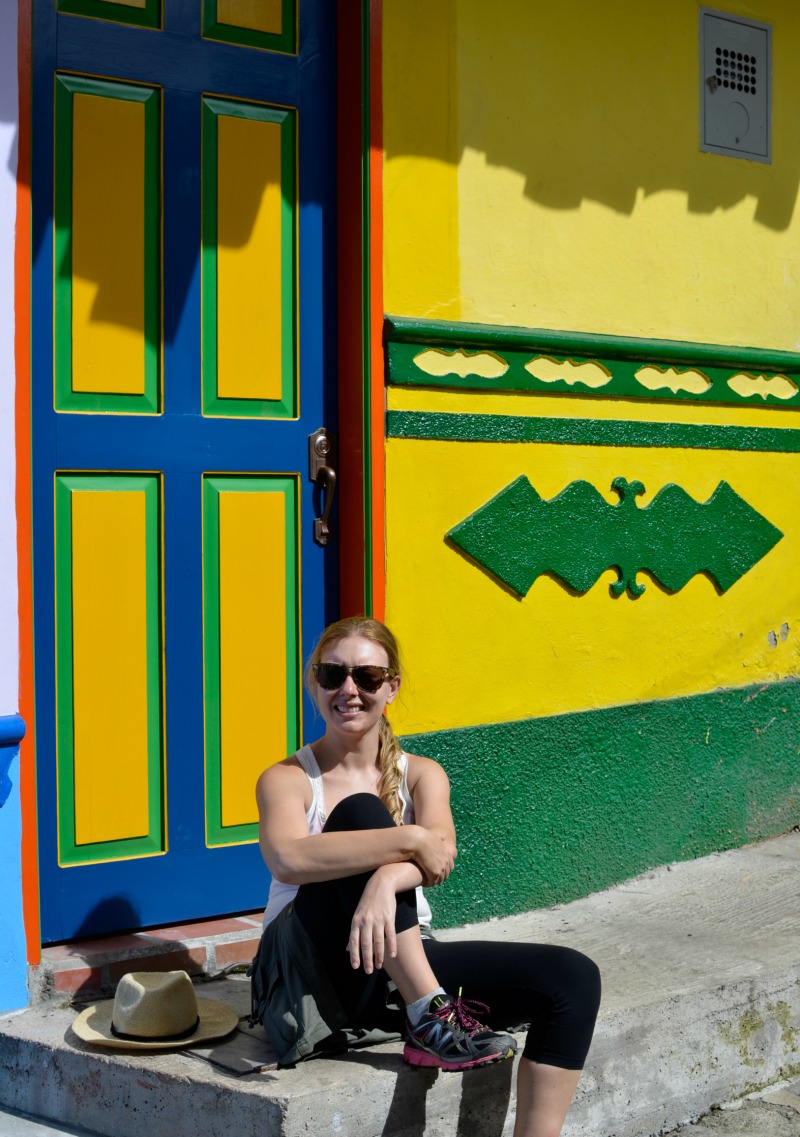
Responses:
[155,1037]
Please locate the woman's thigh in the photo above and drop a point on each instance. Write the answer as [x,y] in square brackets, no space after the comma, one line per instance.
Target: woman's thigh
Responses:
[326,908]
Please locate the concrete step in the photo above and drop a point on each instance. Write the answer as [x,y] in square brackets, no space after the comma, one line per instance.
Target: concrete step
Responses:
[18,1125]
[701,968]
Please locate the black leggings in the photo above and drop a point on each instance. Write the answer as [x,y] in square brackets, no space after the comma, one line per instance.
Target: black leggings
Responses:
[555,989]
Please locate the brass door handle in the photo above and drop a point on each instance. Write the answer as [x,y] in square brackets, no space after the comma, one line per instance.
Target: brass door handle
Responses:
[321,471]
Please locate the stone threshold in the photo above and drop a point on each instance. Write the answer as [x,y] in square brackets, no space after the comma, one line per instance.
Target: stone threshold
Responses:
[84,969]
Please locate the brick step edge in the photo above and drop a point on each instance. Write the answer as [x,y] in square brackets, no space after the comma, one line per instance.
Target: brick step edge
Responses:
[79,972]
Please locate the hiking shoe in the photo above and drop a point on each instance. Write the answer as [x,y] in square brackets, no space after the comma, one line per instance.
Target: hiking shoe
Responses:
[449,1037]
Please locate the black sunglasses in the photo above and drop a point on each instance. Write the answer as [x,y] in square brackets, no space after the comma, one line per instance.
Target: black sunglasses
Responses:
[368,678]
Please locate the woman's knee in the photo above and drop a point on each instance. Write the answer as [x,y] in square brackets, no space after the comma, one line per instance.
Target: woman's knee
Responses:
[574,978]
[358,811]
[584,977]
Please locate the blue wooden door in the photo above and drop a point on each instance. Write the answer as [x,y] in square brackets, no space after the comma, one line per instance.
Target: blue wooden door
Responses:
[183,319]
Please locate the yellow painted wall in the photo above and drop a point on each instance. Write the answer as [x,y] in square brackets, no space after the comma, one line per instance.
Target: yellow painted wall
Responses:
[543,169]
[421,173]
[475,653]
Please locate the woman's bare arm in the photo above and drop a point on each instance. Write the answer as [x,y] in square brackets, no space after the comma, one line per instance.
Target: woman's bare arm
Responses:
[294,857]
[429,787]
[430,792]
[372,933]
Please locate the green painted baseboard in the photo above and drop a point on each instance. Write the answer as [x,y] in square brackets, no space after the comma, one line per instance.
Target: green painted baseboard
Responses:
[551,809]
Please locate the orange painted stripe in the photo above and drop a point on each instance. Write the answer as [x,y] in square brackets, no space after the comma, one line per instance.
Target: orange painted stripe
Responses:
[376,440]
[22,336]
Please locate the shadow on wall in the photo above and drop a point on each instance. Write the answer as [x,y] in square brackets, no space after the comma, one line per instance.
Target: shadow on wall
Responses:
[113,912]
[181,244]
[585,101]
[7,756]
[8,80]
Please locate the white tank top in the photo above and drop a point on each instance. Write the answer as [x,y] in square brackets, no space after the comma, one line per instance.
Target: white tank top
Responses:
[279,893]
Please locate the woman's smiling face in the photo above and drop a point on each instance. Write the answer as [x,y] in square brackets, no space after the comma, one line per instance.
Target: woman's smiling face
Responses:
[348,708]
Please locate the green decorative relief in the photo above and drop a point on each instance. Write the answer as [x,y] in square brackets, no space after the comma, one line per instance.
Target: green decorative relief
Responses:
[488,357]
[576,535]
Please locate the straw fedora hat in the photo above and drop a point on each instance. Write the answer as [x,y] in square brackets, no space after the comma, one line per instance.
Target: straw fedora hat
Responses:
[154,1010]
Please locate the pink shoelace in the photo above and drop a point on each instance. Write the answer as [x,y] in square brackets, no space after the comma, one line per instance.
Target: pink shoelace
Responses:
[462,1012]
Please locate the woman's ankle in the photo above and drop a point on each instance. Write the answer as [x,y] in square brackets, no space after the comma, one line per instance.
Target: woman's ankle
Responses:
[415,1010]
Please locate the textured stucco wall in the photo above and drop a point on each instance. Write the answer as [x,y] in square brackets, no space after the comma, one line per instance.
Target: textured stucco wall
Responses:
[543,170]
[550,809]
[478,653]
[13,965]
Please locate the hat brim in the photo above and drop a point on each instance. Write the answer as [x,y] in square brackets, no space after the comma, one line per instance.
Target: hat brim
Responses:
[94,1025]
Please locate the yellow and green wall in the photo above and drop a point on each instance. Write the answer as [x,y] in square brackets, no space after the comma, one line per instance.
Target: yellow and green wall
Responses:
[576,294]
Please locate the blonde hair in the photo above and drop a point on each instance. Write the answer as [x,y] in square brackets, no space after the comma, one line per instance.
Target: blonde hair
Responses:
[389,750]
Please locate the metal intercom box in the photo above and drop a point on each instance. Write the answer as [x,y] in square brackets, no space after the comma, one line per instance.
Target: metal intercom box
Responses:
[735,86]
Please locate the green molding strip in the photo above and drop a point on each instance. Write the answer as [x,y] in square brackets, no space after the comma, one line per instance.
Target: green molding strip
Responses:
[605,366]
[67,86]
[213,486]
[153,842]
[285,40]
[447,427]
[576,535]
[550,809]
[147,17]
[286,406]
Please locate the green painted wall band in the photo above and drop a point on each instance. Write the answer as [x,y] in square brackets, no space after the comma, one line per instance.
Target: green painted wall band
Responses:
[284,41]
[66,399]
[449,427]
[153,842]
[622,358]
[213,486]
[543,816]
[286,406]
[441,333]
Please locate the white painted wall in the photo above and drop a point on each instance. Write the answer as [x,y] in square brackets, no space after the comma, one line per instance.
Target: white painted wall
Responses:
[13,963]
[9,630]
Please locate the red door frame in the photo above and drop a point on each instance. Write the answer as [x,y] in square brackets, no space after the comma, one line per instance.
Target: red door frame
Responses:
[361,378]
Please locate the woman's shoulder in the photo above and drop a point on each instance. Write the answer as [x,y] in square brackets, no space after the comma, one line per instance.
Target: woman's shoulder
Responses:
[418,766]
[286,776]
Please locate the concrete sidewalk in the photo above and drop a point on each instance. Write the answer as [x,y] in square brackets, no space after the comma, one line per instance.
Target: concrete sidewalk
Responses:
[701,970]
